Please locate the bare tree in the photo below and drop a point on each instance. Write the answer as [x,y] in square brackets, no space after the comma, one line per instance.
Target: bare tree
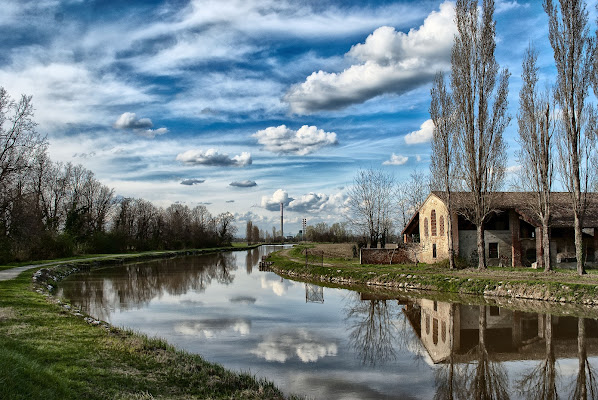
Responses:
[410,196]
[573,55]
[255,234]
[249,232]
[225,228]
[536,129]
[442,166]
[19,141]
[480,95]
[372,203]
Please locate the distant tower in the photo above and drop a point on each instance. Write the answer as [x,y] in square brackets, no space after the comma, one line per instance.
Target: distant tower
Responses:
[281,222]
[304,226]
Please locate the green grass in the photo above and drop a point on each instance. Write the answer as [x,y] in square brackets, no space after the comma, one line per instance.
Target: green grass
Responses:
[48,353]
[131,256]
[560,285]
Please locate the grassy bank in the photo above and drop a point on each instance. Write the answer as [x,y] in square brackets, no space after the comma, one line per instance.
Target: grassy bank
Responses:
[522,283]
[144,255]
[49,351]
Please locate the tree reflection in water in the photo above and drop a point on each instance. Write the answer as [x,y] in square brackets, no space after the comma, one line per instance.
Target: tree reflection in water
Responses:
[137,284]
[252,259]
[585,385]
[485,379]
[374,331]
[449,377]
[540,383]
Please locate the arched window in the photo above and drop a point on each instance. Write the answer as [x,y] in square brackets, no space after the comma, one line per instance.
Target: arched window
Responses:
[435,331]
[441,225]
[433,222]
[426,227]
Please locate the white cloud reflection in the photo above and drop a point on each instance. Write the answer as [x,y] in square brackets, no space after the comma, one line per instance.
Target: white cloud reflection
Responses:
[209,328]
[301,344]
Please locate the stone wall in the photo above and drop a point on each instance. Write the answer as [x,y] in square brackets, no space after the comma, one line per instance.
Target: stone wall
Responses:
[384,256]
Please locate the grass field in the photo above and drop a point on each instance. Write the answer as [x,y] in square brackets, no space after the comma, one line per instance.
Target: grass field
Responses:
[47,352]
[339,266]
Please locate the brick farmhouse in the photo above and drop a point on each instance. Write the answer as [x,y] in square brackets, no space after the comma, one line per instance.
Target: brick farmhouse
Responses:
[512,233]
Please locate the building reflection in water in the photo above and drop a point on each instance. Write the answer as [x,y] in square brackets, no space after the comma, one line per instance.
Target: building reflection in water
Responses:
[470,343]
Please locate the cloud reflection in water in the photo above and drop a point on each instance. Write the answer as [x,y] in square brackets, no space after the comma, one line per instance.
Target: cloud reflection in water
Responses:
[302,344]
[210,327]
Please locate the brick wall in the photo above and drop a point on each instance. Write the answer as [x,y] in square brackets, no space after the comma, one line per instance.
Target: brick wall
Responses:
[383,256]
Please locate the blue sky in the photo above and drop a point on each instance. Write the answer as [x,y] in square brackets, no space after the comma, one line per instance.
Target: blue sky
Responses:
[242,104]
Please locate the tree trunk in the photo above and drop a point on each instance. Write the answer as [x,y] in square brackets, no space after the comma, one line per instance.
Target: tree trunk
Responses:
[550,358]
[481,247]
[582,388]
[451,250]
[546,245]
[579,245]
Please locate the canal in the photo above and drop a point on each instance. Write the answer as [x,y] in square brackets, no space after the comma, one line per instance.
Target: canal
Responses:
[328,343]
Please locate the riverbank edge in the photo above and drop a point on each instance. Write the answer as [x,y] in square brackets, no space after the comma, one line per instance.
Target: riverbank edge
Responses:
[62,269]
[408,278]
[45,278]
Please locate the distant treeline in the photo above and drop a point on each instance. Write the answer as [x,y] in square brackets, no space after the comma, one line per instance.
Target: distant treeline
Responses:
[51,210]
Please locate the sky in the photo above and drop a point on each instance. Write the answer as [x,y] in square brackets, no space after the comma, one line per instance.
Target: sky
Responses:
[242,104]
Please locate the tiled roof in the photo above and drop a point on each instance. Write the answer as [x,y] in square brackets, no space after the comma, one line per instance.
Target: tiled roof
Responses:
[524,202]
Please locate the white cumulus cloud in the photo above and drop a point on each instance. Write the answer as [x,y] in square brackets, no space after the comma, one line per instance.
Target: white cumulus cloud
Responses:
[272,203]
[305,140]
[396,160]
[141,126]
[389,62]
[422,135]
[129,120]
[212,157]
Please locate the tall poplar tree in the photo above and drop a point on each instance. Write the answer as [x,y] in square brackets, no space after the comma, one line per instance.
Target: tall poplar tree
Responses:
[536,129]
[574,51]
[443,166]
[480,94]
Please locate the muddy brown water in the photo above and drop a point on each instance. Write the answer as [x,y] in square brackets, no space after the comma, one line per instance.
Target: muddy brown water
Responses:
[327,343]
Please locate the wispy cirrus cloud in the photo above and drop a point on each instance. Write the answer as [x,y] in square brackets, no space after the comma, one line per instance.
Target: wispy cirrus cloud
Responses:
[305,140]
[389,62]
[213,158]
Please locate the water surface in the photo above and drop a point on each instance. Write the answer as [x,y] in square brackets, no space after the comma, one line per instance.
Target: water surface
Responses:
[338,344]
